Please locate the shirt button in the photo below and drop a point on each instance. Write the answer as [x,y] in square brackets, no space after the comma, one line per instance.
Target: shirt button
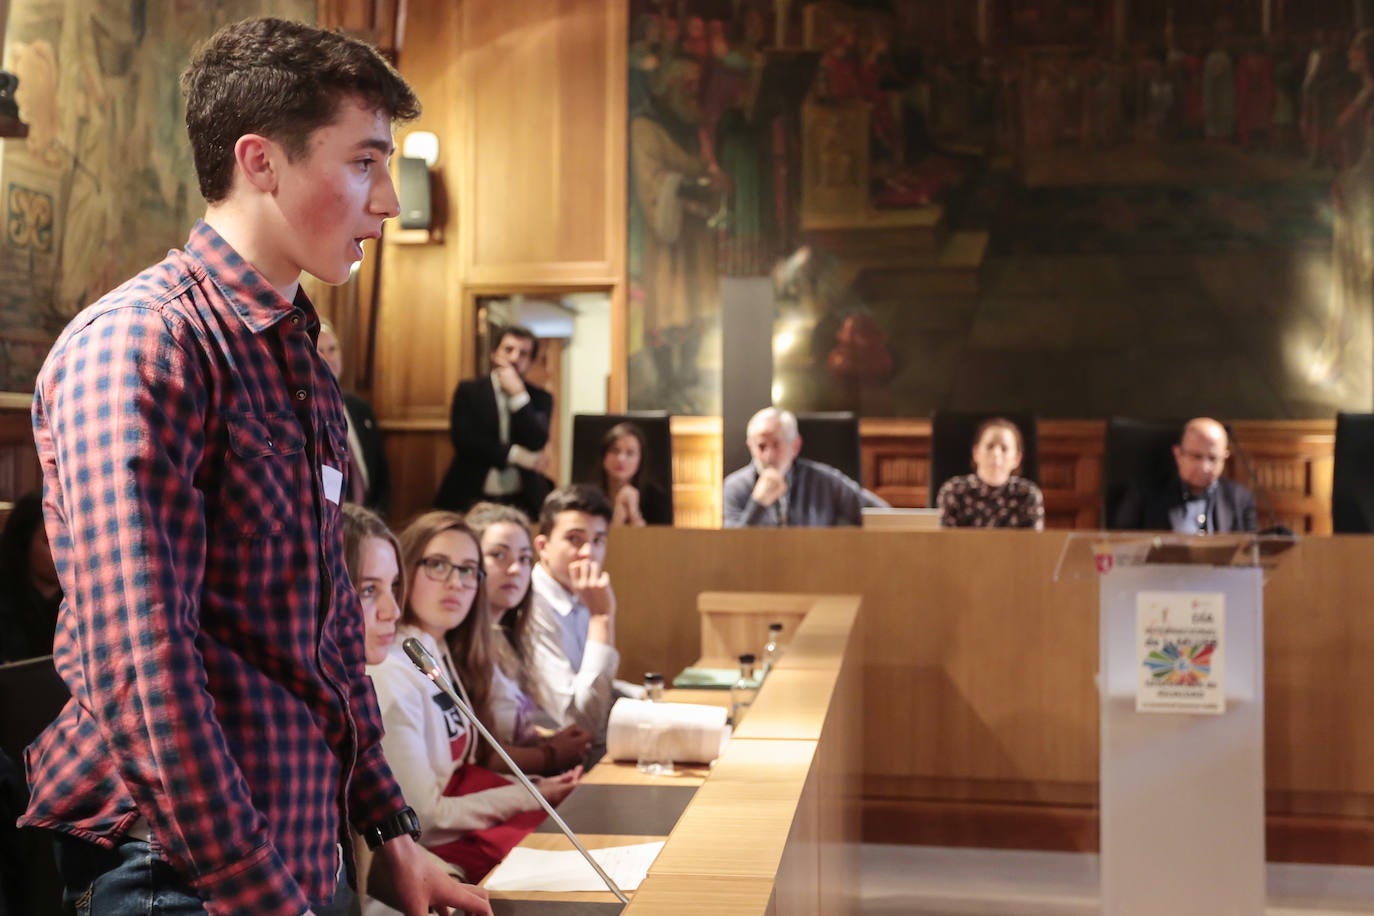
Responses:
[295,319]
[269,443]
[300,394]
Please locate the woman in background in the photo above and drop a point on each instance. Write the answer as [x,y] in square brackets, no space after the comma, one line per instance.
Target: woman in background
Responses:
[471,817]
[993,496]
[508,557]
[635,499]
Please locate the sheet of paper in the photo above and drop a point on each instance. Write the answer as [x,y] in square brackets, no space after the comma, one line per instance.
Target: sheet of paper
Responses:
[565,870]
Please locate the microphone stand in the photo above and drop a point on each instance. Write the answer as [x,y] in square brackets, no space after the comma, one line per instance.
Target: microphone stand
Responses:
[430,669]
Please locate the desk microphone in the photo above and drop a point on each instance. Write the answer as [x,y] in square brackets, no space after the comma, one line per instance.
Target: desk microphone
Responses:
[430,669]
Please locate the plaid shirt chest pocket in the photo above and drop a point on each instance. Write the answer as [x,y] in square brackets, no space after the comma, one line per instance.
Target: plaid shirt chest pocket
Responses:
[261,489]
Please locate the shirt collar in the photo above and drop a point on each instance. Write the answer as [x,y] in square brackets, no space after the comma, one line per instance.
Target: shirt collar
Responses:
[558,598]
[1206,494]
[255,301]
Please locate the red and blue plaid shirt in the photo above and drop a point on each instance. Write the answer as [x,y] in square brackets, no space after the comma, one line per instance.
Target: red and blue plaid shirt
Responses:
[210,636]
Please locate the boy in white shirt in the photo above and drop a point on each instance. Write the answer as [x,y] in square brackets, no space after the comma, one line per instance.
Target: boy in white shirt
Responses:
[572,625]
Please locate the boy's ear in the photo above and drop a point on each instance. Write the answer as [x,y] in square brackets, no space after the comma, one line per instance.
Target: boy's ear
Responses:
[254,157]
[540,542]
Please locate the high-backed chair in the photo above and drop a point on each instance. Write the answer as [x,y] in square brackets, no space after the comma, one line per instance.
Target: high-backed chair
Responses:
[31,696]
[951,444]
[1135,451]
[832,438]
[590,428]
[1352,484]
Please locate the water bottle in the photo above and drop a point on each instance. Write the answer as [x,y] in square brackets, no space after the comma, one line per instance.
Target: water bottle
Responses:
[653,687]
[772,650]
[745,689]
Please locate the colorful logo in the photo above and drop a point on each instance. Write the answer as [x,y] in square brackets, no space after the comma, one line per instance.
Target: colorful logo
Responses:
[1181,666]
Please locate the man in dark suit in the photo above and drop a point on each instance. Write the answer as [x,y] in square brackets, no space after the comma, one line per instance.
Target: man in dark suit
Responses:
[370,478]
[499,427]
[1196,499]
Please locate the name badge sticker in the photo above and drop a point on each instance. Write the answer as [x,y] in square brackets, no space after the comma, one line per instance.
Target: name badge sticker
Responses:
[333,483]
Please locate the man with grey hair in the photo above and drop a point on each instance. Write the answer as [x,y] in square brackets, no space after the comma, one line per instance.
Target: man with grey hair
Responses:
[780,489]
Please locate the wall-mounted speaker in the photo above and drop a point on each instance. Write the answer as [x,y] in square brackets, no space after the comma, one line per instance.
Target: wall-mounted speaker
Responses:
[413,188]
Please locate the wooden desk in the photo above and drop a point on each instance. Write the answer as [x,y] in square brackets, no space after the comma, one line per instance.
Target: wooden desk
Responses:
[981,715]
[772,827]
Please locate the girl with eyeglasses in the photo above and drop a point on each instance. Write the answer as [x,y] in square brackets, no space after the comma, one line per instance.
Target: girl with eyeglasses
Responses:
[469,815]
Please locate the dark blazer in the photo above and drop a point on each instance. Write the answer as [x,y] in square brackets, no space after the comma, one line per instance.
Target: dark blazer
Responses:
[475,429]
[374,453]
[1149,508]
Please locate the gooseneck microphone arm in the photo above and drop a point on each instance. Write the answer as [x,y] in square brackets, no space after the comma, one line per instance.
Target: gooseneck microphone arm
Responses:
[430,669]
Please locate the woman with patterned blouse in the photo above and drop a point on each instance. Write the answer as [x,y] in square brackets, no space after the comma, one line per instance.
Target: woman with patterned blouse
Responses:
[992,496]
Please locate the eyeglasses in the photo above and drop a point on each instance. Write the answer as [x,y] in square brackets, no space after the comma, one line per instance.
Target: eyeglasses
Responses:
[439,569]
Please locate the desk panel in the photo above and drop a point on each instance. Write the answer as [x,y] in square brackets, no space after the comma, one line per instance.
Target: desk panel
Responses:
[980,713]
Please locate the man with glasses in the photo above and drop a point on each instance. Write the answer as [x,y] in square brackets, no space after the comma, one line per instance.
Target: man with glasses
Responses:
[572,621]
[1196,499]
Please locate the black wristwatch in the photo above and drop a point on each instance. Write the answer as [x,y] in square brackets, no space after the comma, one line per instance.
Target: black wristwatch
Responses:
[402,822]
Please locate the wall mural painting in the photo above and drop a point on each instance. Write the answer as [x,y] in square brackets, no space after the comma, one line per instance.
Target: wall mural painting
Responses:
[104,184]
[1073,207]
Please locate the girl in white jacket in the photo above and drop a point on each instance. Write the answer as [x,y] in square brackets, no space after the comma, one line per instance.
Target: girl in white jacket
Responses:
[469,815]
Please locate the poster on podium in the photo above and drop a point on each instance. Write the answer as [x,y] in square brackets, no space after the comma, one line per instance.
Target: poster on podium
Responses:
[1180,652]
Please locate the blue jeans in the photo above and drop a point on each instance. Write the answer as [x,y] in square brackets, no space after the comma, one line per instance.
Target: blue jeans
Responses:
[130,881]
[125,881]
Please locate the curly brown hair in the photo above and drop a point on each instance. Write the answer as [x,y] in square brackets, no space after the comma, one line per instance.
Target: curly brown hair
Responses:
[283,80]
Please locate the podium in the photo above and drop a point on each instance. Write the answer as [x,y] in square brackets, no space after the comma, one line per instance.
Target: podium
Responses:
[1181,685]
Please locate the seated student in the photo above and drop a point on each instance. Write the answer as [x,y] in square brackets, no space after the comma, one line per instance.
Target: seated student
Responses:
[30,593]
[635,498]
[373,560]
[470,816]
[1196,499]
[516,720]
[778,488]
[993,496]
[572,623]
[369,476]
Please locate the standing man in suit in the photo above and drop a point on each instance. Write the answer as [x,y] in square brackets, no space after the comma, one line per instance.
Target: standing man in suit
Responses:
[1196,499]
[499,427]
[369,480]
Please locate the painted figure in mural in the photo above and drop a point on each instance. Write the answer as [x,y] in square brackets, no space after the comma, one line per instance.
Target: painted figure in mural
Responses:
[1322,89]
[1254,96]
[1352,202]
[741,149]
[1219,90]
[679,195]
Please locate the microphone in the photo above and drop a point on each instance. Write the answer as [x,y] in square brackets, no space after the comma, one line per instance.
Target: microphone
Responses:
[429,667]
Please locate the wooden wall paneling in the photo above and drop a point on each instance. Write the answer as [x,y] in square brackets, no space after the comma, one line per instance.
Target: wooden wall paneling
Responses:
[544,173]
[417,455]
[697,472]
[1288,463]
[19,469]
[1071,472]
[896,459]
[422,328]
